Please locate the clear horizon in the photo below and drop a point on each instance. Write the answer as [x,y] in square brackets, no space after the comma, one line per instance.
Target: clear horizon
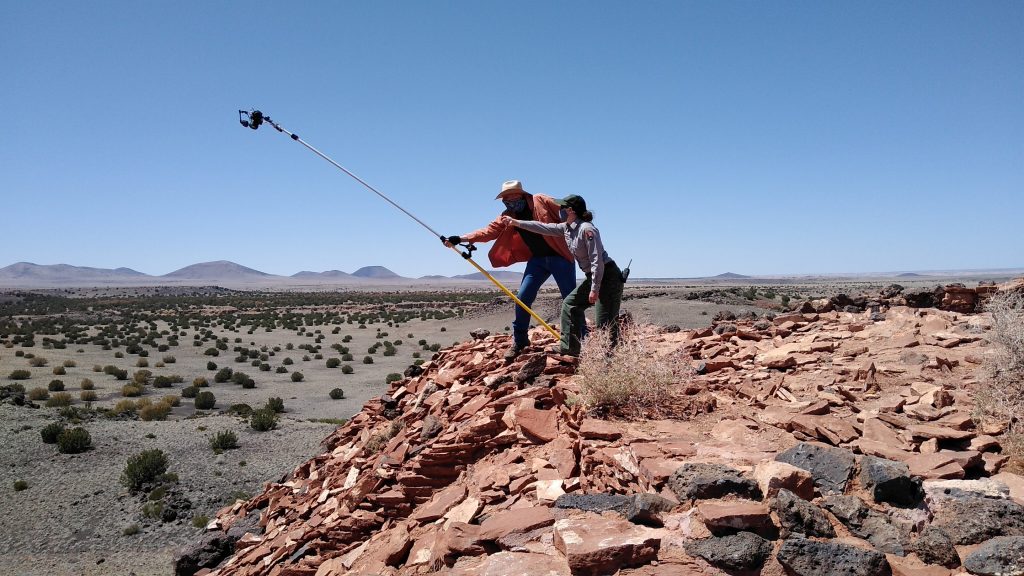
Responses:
[868,273]
[762,139]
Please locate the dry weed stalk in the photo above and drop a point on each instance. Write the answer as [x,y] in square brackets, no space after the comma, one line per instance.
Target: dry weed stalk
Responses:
[631,379]
[1001,397]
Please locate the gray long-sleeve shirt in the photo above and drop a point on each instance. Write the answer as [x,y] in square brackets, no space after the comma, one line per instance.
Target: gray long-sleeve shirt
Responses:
[584,241]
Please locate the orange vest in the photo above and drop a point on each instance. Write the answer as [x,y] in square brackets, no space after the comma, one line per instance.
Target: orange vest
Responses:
[509,246]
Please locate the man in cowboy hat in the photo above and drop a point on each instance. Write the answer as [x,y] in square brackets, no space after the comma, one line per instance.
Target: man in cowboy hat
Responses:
[545,256]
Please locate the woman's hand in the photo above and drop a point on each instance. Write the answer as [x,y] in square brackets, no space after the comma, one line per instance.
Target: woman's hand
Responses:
[593,296]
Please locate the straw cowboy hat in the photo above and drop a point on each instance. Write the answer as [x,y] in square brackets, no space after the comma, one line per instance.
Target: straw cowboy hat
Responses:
[511,187]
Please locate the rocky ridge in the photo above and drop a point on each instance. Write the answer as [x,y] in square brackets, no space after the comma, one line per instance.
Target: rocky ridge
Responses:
[820,442]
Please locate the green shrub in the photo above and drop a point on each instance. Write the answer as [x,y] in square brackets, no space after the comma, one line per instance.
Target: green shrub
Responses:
[367,360]
[392,377]
[276,404]
[20,375]
[200,521]
[87,384]
[131,530]
[263,419]
[20,485]
[141,377]
[223,375]
[144,468]
[337,394]
[55,386]
[37,394]
[189,392]
[205,400]
[281,370]
[87,395]
[161,382]
[74,441]
[347,369]
[224,440]
[51,432]
[297,376]
[211,366]
[333,362]
[59,399]
[288,361]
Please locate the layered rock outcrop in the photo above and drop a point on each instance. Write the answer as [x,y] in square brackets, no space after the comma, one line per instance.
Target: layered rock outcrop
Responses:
[828,443]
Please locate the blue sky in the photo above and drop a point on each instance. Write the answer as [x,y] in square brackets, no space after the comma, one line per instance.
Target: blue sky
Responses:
[752,137]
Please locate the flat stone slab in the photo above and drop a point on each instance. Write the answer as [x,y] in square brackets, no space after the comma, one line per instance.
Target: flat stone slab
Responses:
[596,545]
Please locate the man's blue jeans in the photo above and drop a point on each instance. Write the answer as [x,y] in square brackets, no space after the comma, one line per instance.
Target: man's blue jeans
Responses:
[538,270]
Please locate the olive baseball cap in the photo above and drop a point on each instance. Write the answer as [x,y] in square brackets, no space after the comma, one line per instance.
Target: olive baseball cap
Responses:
[577,203]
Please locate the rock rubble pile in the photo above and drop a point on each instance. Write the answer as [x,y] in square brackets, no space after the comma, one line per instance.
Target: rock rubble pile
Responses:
[825,442]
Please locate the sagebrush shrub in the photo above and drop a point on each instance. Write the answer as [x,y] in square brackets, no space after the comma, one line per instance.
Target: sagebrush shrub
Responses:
[88,384]
[123,407]
[20,375]
[74,441]
[275,403]
[55,386]
[297,376]
[347,369]
[631,379]
[131,391]
[20,485]
[144,468]
[87,395]
[263,419]
[38,393]
[224,440]
[189,392]
[157,411]
[1000,398]
[59,371]
[171,400]
[58,400]
[200,382]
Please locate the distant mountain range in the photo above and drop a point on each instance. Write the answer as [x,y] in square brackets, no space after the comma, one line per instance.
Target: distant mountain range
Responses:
[220,272]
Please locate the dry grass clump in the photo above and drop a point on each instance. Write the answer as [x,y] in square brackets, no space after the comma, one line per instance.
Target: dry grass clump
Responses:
[1000,398]
[630,380]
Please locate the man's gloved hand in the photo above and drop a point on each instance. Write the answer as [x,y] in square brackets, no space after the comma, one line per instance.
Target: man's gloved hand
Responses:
[455,239]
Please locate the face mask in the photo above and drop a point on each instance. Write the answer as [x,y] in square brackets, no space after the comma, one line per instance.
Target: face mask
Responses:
[562,215]
[518,205]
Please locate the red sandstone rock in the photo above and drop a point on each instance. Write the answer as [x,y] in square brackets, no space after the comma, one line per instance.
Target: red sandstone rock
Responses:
[596,545]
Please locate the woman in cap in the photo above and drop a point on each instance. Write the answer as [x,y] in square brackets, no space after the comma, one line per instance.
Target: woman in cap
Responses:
[603,283]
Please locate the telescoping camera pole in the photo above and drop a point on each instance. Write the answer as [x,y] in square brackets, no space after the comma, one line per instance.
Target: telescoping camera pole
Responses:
[254,119]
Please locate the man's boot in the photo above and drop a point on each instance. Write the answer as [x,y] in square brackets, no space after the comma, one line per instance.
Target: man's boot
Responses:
[513,351]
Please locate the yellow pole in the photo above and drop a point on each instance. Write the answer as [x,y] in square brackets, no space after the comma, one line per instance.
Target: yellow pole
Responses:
[508,292]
